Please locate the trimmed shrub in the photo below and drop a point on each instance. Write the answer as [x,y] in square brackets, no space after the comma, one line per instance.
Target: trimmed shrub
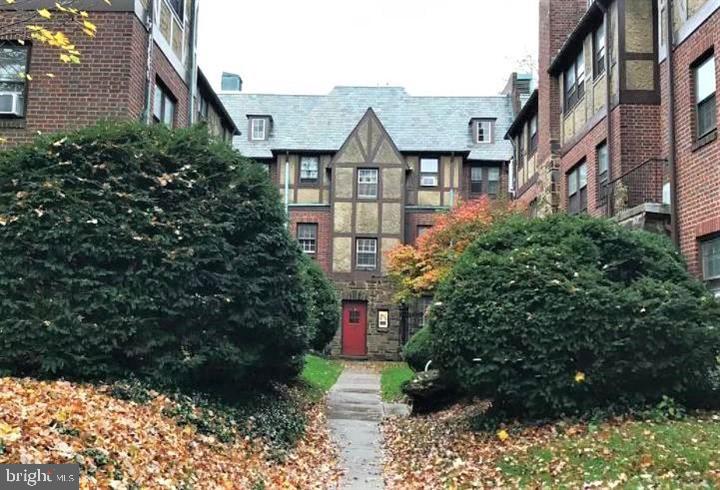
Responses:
[135,249]
[418,350]
[323,305]
[564,315]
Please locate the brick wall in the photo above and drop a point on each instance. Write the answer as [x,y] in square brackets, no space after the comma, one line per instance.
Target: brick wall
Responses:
[413,220]
[109,84]
[324,239]
[698,169]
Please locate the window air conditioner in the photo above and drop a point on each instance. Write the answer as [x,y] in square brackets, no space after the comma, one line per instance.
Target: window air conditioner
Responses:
[11,104]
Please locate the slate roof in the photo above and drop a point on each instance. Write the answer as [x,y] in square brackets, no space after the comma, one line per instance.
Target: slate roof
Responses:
[416,124]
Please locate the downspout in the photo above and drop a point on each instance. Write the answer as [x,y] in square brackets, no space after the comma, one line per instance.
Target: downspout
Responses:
[609,207]
[672,167]
[512,171]
[287,188]
[149,85]
[193,67]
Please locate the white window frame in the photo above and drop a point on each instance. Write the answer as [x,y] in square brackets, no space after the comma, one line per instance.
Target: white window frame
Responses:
[255,133]
[307,240]
[362,247]
[16,84]
[704,98]
[383,319]
[161,102]
[367,178]
[479,125]
[434,175]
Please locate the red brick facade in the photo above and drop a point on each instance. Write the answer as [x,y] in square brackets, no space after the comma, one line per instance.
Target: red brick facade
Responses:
[413,221]
[320,217]
[109,84]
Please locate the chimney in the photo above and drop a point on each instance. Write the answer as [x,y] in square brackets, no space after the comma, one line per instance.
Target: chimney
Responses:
[231,82]
[518,85]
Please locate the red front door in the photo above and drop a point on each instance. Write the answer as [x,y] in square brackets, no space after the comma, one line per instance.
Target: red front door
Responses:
[354,328]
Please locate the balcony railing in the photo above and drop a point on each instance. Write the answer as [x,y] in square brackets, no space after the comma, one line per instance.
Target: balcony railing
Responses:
[643,184]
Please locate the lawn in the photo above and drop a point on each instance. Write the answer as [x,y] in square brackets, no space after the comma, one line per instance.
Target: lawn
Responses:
[620,453]
[391,379]
[320,374]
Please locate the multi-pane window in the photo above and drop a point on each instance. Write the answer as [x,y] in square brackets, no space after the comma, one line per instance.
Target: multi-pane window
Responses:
[476,180]
[533,135]
[705,96]
[307,236]
[710,250]
[163,106]
[203,108]
[483,131]
[429,172]
[602,167]
[367,183]
[309,168]
[354,316]
[13,68]
[493,181]
[366,253]
[599,51]
[575,81]
[577,189]
[258,129]
[177,6]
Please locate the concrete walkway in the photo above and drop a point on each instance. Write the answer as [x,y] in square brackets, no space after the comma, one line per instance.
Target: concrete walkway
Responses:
[354,414]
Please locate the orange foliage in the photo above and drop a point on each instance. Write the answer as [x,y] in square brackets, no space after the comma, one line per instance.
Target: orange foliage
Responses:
[416,270]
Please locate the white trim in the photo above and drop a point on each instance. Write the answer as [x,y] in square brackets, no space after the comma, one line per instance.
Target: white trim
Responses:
[490,131]
[253,135]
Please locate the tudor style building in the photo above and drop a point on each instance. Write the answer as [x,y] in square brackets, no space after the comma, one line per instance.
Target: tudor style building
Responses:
[365,169]
[624,122]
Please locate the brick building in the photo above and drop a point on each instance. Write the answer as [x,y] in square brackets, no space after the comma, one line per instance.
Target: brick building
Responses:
[621,125]
[364,169]
[140,66]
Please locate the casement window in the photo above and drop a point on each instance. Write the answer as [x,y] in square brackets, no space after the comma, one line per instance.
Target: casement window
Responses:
[575,81]
[601,153]
[309,170]
[203,108]
[13,68]
[483,131]
[258,129]
[476,180]
[366,254]
[485,180]
[533,135]
[704,74]
[577,189]
[710,252]
[599,51]
[429,172]
[422,229]
[493,181]
[307,237]
[164,106]
[367,183]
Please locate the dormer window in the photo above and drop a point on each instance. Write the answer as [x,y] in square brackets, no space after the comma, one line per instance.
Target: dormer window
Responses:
[483,131]
[258,129]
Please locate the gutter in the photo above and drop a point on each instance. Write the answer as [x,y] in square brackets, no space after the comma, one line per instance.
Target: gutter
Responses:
[672,167]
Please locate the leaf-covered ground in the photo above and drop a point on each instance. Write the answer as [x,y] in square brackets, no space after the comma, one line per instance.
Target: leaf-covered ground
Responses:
[441,451]
[124,445]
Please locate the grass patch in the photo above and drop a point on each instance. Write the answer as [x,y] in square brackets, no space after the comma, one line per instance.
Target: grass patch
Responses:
[320,374]
[668,454]
[392,378]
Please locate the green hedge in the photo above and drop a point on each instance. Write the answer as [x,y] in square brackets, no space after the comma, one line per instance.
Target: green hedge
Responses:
[418,351]
[323,305]
[128,248]
[564,315]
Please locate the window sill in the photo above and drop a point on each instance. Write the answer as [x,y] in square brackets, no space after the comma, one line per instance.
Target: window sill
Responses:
[705,140]
[13,123]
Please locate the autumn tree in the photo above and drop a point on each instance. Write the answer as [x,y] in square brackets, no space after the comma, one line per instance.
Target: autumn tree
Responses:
[417,269]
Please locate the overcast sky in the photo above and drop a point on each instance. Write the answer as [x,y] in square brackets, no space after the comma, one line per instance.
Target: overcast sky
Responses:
[430,47]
